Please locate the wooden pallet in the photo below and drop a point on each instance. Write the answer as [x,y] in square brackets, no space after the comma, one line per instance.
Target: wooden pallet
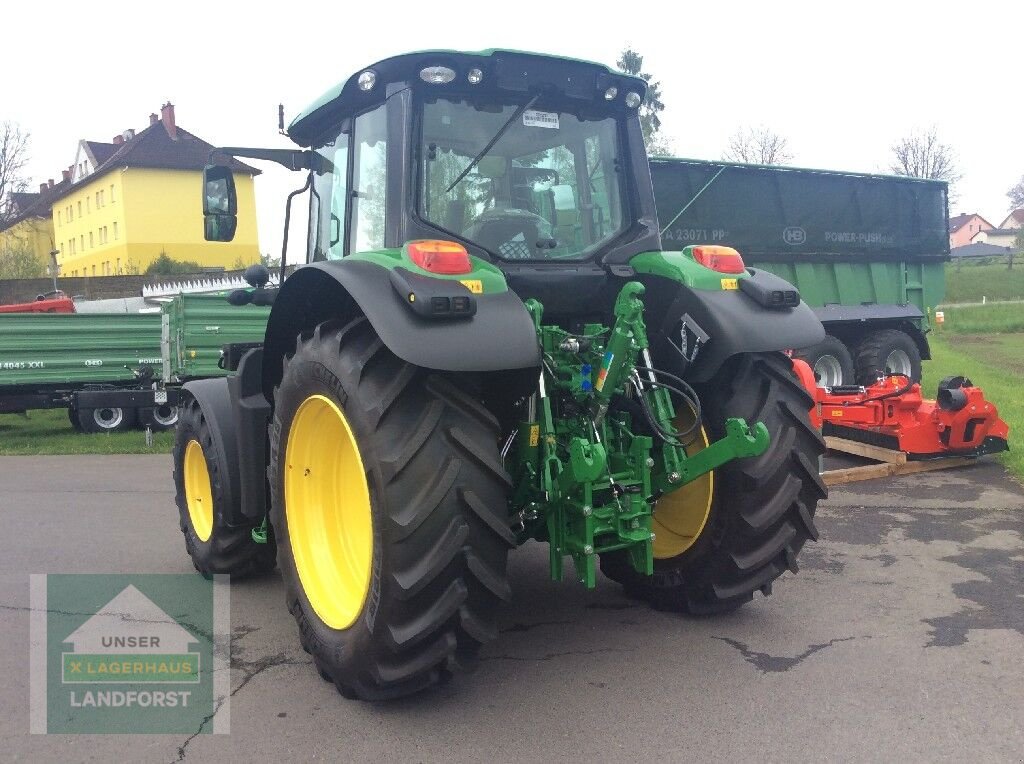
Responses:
[891,462]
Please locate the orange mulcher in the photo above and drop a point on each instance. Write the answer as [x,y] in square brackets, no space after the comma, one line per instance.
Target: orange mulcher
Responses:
[892,414]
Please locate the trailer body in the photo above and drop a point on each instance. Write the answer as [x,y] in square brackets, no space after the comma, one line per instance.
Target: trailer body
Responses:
[867,252]
[129,361]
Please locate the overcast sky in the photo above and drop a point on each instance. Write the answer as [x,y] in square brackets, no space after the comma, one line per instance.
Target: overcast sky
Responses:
[841,81]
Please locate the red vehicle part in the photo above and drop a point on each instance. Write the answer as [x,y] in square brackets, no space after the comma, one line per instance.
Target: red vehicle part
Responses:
[892,414]
[56,302]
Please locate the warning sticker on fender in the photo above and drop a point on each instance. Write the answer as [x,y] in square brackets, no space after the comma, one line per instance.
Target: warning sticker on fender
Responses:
[533,118]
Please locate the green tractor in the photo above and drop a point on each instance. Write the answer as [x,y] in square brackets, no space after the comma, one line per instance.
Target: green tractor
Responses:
[486,345]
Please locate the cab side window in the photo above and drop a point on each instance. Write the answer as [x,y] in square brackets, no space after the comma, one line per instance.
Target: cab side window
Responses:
[369,181]
[327,202]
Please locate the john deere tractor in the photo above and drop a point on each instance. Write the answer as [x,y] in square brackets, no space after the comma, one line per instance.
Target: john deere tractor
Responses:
[488,344]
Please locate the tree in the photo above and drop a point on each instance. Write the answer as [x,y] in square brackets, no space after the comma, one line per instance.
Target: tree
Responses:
[758,145]
[165,265]
[13,158]
[922,155]
[1016,195]
[632,63]
[20,262]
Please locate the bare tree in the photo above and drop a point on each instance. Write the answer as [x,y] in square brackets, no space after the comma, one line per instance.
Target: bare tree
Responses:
[13,158]
[1016,195]
[922,155]
[758,145]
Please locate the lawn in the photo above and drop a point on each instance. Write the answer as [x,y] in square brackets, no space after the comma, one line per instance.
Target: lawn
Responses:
[994,362]
[970,282]
[999,318]
[49,432]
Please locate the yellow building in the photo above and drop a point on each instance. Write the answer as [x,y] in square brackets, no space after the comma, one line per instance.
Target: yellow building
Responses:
[29,224]
[131,200]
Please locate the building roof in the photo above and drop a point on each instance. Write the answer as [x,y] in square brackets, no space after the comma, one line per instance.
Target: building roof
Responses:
[1001,231]
[37,204]
[959,221]
[101,152]
[1017,215]
[978,249]
[154,148]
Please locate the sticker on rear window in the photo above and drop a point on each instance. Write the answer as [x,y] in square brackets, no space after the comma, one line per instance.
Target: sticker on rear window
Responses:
[533,118]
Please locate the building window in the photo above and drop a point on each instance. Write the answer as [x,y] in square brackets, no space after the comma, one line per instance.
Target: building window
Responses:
[115,228]
[79,208]
[94,270]
[88,201]
[91,245]
[71,213]
[81,242]
[111,193]
[58,217]
[119,266]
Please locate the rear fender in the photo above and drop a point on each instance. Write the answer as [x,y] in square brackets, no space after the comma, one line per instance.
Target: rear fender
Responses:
[499,337]
[734,322]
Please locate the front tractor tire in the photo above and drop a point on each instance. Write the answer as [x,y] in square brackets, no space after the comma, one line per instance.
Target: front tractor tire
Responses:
[388,501]
[757,513]
[203,497]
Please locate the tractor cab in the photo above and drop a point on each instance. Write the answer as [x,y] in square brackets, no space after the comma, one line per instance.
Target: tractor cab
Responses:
[525,160]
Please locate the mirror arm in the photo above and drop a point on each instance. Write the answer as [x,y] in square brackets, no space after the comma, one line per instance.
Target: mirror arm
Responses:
[287,158]
[287,220]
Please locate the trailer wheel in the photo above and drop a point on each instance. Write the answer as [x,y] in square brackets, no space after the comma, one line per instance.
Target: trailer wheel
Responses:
[200,480]
[388,497]
[830,360]
[106,419]
[158,418]
[745,526]
[888,351]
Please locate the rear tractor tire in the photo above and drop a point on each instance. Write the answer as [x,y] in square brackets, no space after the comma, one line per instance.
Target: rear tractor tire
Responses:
[719,541]
[388,500]
[200,480]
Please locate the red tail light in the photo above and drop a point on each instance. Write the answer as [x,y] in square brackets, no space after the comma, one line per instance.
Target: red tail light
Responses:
[443,257]
[721,259]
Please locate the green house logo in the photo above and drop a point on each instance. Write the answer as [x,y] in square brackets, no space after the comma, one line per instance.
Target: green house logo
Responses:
[130,641]
[129,654]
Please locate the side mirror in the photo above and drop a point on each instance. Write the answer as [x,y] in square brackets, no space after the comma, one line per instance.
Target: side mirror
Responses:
[220,204]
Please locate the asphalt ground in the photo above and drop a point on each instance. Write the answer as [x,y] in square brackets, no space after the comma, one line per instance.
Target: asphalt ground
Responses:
[902,638]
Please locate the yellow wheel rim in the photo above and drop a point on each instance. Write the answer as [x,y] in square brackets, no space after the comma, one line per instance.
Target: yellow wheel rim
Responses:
[198,494]
[327,508]
[681,515]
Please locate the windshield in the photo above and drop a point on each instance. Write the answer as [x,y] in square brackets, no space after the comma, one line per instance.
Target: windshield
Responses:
[547,189]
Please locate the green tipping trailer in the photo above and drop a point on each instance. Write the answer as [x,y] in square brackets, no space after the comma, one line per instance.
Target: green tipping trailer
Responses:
[196,326]
[865,251]
[113,371]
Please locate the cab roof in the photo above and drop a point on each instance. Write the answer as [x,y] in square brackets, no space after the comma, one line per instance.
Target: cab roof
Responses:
[492,61]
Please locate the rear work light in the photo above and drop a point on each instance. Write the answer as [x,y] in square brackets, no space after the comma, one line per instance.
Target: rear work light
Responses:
[442,257]
[721,259]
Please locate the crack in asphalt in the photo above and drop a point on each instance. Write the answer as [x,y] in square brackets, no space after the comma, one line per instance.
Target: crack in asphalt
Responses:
[768,664]
[125,617]
[520,627]
[251,669]
[552,656]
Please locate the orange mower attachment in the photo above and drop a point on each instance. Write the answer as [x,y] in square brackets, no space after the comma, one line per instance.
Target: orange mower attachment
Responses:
[892,414]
